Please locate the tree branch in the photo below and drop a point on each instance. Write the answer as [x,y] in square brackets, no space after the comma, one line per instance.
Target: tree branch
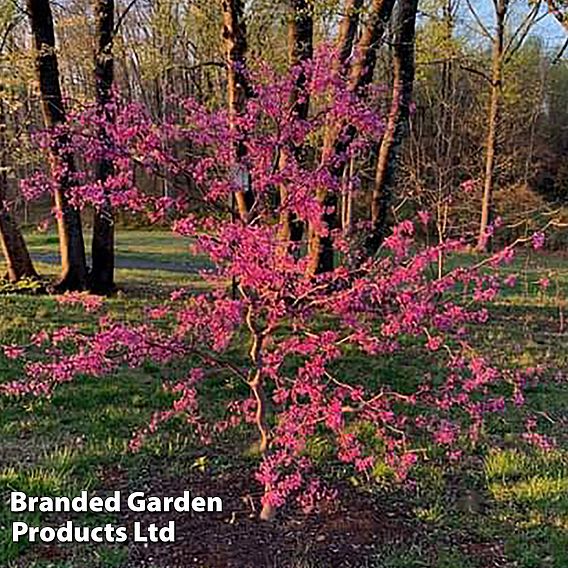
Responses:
[123,16]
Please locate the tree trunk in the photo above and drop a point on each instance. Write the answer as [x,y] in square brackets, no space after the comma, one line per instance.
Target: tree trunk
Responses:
[397,124]
[338,139]
[18,262]
[484,240]
[347,205]
[102,251]
[72,246]
[367,48]
[347,33]
[300,45]
[235,37]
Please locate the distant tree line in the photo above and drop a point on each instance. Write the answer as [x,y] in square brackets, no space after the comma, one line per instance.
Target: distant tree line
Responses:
[475,110]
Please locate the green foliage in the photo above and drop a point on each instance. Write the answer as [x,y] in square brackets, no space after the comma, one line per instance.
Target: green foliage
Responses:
[24,286]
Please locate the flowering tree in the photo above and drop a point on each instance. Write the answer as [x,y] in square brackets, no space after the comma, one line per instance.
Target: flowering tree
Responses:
[300,328]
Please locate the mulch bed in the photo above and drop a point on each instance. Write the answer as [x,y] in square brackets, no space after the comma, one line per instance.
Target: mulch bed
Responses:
[342,534]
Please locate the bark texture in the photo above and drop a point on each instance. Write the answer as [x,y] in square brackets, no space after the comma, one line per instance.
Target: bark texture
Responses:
[239,90]
[72,246]
[338,138]
[397,124]
[501,7]
[102,251]
[371,40]
[18,261]
[301,50]
[348,33]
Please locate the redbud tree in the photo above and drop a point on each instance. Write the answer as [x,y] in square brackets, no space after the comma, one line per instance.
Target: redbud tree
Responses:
[300,328]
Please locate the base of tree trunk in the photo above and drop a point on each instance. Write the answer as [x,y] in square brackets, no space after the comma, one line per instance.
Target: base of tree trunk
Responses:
[268,513]
[99,288]
[372,245]
[18,260]
[70,282]
[13,279]
[376,237]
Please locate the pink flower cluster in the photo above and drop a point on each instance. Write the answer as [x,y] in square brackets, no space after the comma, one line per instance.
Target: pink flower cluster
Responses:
[89,302]
[302,333]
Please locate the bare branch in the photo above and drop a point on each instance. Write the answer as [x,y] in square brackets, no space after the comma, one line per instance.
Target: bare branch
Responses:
[560,53]
[9,29]
[479,21]
[521,33]
[123,16]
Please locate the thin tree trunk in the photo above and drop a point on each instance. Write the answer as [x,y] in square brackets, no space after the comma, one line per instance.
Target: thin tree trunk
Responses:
[484,239]
[102,251]
[365,60]
[18,262]
[72,246]
[397,125]
[320,246]
[300,45]
[347,33]
[235,37]
[347,216]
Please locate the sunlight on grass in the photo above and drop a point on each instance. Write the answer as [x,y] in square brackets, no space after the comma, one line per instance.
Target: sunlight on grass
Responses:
[531,496]
[534,490]
[539,479]
[157,245]
[37,481]
[505,464]
[53,447]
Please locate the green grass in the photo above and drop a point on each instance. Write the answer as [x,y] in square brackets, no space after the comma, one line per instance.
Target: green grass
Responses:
[511,499]
[161,249]
[158,245]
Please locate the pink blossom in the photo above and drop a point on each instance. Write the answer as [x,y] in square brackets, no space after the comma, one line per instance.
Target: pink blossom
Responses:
[304,329]
[13,351]
[544,283]
[469,186]
[538,240]
[511,280]
[89,302]
[43,226]
[424,217]
[434,343]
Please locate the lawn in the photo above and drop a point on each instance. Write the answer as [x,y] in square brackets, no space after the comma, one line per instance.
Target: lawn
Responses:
[157,245]
[160,253]
[505,506]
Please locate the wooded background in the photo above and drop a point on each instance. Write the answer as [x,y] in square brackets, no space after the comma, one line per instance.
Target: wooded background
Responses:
[475,99]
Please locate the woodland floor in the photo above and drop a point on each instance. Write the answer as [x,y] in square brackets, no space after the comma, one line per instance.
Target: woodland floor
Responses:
[503,507]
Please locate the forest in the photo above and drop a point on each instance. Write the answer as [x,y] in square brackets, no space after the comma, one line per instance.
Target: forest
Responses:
[306,258]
